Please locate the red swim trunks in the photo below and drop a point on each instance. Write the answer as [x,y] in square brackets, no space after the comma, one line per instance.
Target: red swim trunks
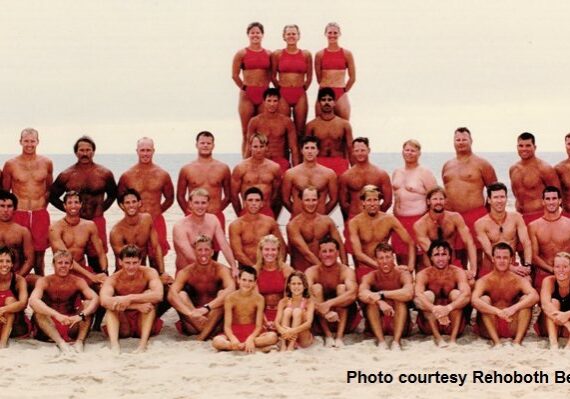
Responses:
[270,313]
[222,220]
[255,94]
[292,94]
[354,319]
[470,217]
[502,326]
[5,295]
[37,222]
[424,327]
[242,331]
[532,216]
[338,164]
[160,227]
[362,271]
[101,224]
[400,247]
[338,92]
[539,276]
[133,318]
[283,163]
[388,325]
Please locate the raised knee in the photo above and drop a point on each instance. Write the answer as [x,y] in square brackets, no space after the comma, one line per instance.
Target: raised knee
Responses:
[317,289]
[340,289]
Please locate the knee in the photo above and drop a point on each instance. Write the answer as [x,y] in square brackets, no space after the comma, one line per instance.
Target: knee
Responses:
[10,300]
[340,289]
[454,294]
[317,290]
[219,342]
[297,313]
[486,299]
[555,303]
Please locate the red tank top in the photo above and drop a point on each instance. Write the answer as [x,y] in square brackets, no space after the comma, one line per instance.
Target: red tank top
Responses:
[334,60]
[255,60]
[293,63]
[271,282]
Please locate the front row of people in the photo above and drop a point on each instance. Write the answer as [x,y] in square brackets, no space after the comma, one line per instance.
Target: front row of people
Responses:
[204,294]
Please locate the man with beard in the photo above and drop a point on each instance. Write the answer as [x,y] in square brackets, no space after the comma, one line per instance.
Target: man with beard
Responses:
[371,227]
[549,235]
[502,226]
[441,293]
[439,224]
[333,132]
[305,231]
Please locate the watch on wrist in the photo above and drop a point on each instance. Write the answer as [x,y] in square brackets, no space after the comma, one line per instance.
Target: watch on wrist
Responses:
[207,307]
[382,296]
[82,315]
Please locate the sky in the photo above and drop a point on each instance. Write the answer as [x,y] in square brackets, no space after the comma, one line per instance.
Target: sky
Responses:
[120,70]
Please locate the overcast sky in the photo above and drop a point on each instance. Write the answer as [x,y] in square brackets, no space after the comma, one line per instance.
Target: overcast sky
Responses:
[118,70]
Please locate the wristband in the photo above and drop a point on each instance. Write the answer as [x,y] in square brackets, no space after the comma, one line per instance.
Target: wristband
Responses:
[207,307]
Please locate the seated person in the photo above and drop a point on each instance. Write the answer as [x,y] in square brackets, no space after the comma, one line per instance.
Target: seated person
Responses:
[63,305]
[385,293]
[441,292]
[295,314]
[130,297]
[503,299]
[243,318]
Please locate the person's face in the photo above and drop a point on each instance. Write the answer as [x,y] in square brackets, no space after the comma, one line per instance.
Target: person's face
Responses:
[551,202]
[561,269]
[360,152]
[437,202]
[6,210]
[291,35]
[271,104]
[199,204]
[253,203]
[255,35]
[145,151]
[410,154]
[502,259]
[498,200]
[326,103]
[567,145]
[332,34]
[29,143]
[84,152]
[130,265]
[269,252]
[310,201]
[296,286]
[328,254]
[385,261]
[62,266]
[440,258]
[371,203]
[5,264]
[205,145]
[246,281]
[526,149]
[72,206]
[203,253]
[310,151]
[462,142]
[131,205]
[258,149]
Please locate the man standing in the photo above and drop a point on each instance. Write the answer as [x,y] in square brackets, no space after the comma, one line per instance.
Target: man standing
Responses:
[29,176]
[155,188]
[563,171]
[97,188]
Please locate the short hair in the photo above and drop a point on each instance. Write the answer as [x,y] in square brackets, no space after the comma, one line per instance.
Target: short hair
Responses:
[271,92]
[383,247]
[199,192]
[498,186]
[255,25]
[526,136]
[301,275]
[61,253]
[502,245]
[84,139]
[561,254]
[551,189]
[327,239]
[71,193]
[326,91]
[363,140]
[253,190]
[203,239]
[567,136]
[435,190]
[8,196]
[332,25]
[247,269]
[145,139]
[260,136]
[204,133]
[130,251]
[270,238]
[294,26]
[27,131]
[308,188]
[310,139]
[369,188]
[435,244]
[128,191]
[414,143]
[462,130]
[4,250]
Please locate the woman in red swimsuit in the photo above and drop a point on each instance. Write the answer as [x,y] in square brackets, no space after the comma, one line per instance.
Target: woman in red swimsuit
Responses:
[255,62]
[271,276]
[331,66]
[292,74]
[13,299]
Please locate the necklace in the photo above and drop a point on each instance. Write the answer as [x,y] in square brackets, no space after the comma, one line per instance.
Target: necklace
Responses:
[553,220]
[500,224]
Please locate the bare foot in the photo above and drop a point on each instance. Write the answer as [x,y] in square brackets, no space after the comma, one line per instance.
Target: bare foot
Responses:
[338,343]
[329,342]
[116,349]
[382,345]
[78,346]
[396,346]
[140,349]
[64,347]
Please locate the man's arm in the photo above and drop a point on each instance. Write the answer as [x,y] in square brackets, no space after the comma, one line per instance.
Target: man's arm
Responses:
[153,294]
[350,295]
[220,238]
[90,295]
[419,292]
[348,138]
[333,193]
[22,300]
[528,299]
[182,244]
[333,231]
[110,190]
[537,260]
[549,176]
[229,286]
[98,246]
[478,303]
[293,142]
[386,187]
[167,193]
[465,235]
[181,188]
[524,239]
[235,188]
[57,189]
[276,231]
[7,176]
[483,238]
[297,241]
[29,256]
[405,237]
[226,188]
[344,195]
[286,188]
[173,294]
[157,251]
[236,245]
[488,173]
[357,246]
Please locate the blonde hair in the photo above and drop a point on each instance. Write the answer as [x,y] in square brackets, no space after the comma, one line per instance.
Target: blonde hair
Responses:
[199,192]
[61,253]
[270,238]
[414,143]
[332,25]
[294,26]
[563,255]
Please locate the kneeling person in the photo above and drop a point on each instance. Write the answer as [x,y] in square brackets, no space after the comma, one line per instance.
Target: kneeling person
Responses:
[243,317]
[385,293]
[59,312]
[503,299]
[130,297]
[442,291]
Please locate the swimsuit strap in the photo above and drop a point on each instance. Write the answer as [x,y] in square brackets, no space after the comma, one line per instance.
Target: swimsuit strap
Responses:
[13,283]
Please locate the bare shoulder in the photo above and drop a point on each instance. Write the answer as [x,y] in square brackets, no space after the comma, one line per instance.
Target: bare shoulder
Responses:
[240,53]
